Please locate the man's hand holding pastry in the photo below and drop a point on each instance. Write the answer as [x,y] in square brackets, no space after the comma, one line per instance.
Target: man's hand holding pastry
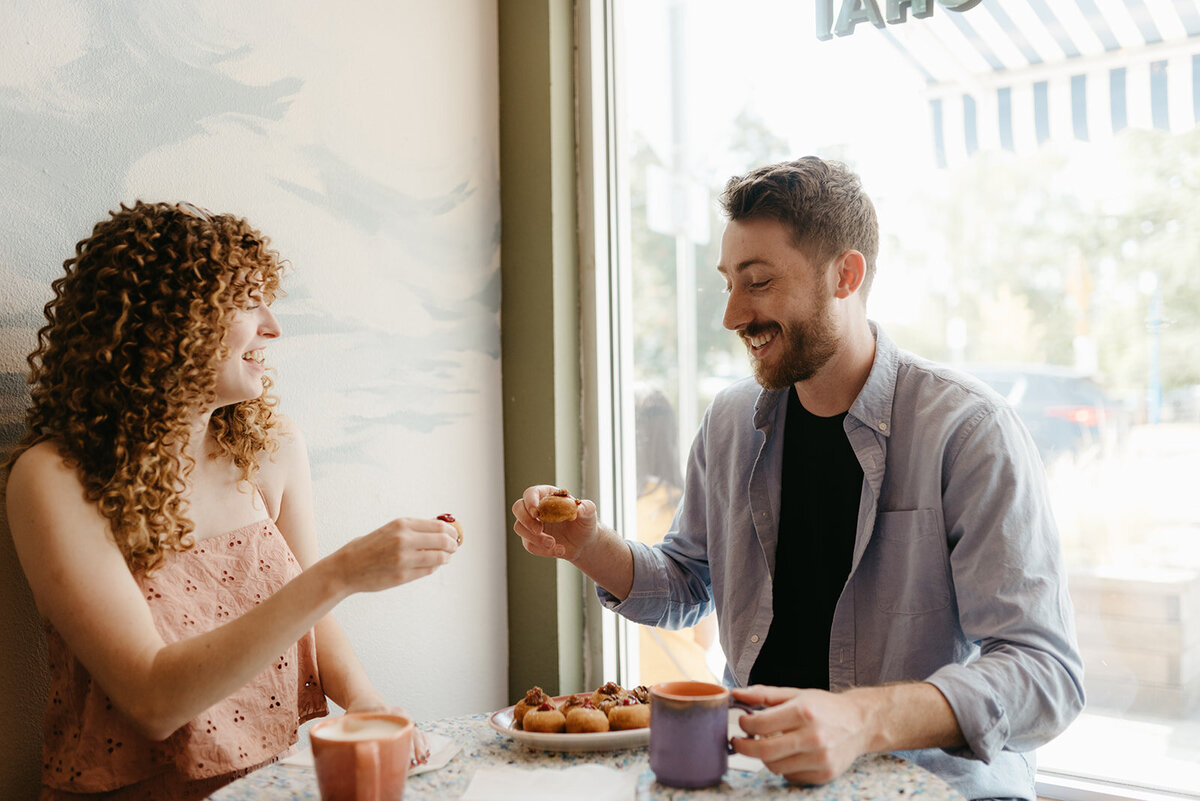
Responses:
[552,523]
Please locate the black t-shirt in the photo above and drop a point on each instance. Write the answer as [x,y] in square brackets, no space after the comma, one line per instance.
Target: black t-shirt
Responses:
[818,518]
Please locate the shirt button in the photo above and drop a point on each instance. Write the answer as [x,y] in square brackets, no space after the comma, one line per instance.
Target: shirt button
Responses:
[753,638]
[882,426]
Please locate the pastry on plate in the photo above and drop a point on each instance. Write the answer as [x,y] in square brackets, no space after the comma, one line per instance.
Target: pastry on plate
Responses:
[607,695]
[534,697]
[546,718]
[628,713]
[584,718]
[609,707]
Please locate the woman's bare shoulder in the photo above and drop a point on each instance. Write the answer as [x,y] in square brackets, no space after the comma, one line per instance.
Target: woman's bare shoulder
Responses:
[290,438]
[288,432]
[47,505]
[291,453]
[43,463]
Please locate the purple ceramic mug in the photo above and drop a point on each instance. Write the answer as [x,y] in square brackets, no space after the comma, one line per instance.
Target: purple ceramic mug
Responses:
[689,733]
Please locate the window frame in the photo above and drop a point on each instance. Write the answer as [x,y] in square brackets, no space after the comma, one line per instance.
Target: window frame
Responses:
[606,336]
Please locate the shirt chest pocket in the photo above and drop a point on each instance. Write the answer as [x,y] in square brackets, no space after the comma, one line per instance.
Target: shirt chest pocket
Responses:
[911,563]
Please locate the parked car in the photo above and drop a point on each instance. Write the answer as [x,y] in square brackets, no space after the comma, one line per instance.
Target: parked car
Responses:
[1066,412]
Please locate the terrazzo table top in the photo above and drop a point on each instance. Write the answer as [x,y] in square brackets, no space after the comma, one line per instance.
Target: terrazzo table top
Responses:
[879,776]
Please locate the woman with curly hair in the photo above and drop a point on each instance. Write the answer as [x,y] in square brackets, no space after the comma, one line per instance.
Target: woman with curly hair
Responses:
[162,512]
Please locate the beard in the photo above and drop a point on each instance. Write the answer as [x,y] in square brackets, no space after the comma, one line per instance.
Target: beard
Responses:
[807,346]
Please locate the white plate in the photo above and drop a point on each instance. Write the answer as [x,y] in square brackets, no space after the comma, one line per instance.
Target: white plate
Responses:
[502,722]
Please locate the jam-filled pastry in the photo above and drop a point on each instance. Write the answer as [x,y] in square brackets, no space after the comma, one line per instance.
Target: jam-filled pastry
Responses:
[584,718]
[607,695]
[557,507]
[628,713]
[544,718]
[449,518]
[534,697]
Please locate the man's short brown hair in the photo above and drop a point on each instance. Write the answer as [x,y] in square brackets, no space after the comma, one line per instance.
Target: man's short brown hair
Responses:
[822,202]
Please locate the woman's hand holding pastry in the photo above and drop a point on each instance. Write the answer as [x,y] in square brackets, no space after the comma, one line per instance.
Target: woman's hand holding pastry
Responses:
[397,552]
[546,526]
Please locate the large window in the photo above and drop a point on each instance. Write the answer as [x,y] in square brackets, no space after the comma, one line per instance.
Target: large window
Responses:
[1036,169]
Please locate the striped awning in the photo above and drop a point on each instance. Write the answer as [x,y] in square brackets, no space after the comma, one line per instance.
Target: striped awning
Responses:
[1014,74]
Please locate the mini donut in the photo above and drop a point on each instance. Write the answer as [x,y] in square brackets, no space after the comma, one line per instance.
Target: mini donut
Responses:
[534,697]
[629,713]
[545,718]
[449,518]
[585,718]
[557,507]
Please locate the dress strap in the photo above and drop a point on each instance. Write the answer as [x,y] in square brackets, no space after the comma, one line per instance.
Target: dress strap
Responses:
[266,506]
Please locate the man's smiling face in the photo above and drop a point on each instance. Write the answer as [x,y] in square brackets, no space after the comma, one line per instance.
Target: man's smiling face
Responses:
[779,303]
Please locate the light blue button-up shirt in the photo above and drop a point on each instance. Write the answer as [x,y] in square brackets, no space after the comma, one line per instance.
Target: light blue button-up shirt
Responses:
[956,579]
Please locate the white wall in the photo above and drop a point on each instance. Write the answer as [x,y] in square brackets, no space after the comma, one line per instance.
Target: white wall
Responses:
[362,137]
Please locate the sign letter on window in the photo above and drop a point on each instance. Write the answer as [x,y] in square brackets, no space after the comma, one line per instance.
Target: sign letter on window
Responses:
[852,12]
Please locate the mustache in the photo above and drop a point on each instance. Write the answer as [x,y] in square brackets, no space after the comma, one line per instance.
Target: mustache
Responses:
[757,329]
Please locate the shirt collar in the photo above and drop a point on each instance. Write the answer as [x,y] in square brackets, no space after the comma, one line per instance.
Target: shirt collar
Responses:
[767,405]
[872,407]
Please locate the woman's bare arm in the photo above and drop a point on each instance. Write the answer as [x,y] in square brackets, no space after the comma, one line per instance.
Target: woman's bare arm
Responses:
[342,675]
[82,585]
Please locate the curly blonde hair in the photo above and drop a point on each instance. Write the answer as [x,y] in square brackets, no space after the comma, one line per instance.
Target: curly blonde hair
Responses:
[128,357]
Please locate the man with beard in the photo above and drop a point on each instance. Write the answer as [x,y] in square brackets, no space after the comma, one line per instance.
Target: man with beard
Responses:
[872,529]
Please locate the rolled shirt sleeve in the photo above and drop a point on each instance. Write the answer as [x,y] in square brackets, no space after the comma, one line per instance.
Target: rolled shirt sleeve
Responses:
[668,592]
[1011,591]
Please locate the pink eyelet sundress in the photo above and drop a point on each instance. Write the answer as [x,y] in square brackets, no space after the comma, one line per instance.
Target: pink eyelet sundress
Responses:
[91,749]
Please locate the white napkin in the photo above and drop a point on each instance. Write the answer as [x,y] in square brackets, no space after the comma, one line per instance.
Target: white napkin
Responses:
[747,764]
[593,782]
[441,751]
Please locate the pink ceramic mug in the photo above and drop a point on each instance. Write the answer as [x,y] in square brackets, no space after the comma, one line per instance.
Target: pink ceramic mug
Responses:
[362,756]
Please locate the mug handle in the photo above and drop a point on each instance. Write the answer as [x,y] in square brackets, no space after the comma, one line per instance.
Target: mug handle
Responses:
[736,704]
[366,763]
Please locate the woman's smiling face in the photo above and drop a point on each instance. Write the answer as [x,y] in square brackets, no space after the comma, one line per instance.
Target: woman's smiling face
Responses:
[240,375]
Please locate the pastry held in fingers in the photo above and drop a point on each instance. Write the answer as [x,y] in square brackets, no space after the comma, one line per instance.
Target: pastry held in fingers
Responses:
[557,507]
[449,518]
